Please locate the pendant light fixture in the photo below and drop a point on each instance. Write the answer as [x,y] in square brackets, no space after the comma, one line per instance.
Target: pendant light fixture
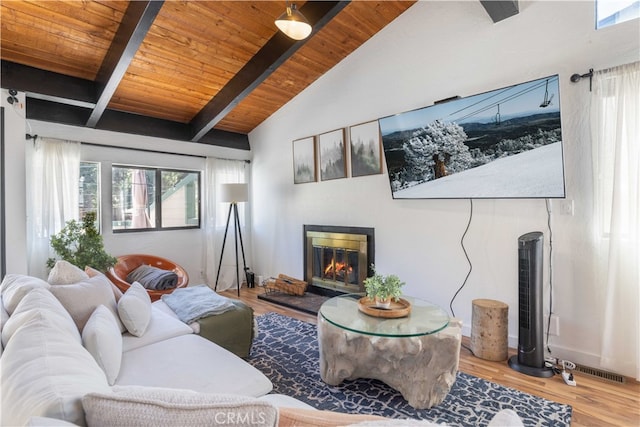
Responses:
[293,23]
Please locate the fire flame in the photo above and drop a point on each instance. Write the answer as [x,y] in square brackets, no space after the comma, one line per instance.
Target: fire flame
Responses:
[337,267]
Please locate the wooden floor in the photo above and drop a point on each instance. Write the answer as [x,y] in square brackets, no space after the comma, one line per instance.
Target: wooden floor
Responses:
[595,402]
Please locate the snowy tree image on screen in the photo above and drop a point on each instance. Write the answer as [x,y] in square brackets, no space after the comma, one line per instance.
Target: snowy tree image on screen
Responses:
[435,151]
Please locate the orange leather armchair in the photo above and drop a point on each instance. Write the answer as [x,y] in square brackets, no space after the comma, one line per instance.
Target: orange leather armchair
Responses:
[127,263]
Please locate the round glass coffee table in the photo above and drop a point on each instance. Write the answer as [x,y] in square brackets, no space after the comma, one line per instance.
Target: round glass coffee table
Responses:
[425,318]
[417,355]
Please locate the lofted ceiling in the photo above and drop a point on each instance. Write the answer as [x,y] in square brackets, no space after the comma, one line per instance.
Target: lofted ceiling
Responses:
[200,71]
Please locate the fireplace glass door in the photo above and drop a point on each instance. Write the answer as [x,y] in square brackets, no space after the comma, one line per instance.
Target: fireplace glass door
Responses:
[336,260]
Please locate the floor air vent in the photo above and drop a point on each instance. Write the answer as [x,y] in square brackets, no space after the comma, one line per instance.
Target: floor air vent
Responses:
[605,375]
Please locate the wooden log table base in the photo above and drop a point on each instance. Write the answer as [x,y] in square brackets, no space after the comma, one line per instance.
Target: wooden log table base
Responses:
[489,329]
[423,368]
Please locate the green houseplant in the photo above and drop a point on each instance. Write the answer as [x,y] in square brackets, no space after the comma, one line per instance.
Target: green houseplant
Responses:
[382,289]
[80,244]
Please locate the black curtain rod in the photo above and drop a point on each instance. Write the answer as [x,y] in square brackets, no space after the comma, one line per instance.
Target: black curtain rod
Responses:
[575,78]
[28,136]
[156,151]
[92,144]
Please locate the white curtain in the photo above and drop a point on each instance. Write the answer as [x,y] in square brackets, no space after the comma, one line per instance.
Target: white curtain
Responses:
[140,198]
[219,171]
[53,174]
[615,119]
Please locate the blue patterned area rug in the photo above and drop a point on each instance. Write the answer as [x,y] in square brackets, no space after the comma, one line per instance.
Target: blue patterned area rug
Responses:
[286,351]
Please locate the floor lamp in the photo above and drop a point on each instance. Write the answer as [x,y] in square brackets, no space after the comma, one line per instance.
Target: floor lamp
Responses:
[233,194]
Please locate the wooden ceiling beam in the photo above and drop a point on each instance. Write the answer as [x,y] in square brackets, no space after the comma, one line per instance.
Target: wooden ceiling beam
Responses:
[118,121]
[49,111]
[55,52]
[500,9]
[133,28]
[48,85]
[54,97]
[275,52]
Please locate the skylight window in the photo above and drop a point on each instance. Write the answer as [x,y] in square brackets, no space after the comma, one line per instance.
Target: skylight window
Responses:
[611,12]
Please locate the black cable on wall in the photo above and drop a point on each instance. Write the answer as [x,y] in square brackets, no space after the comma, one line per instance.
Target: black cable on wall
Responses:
[466,256]
[550,273]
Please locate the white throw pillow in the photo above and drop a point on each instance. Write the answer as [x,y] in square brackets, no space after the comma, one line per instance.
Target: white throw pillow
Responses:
[102,337]
[92,272]
[161,328]
[65,273]
[4,316]
[45,372]
[15,286]
[37,301]
[134,309]
[82,298]
[139,406]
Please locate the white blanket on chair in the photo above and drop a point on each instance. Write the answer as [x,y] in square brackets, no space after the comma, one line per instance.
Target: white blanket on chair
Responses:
[196,302]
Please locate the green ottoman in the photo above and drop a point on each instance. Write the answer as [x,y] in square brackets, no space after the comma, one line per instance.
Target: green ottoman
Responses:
[232,330]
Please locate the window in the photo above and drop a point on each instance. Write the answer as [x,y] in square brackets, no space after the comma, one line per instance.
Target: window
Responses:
[89,190]
[180,207]
[153,199]
[611,12]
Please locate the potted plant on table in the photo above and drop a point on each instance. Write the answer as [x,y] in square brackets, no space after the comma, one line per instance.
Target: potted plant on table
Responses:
[383,289]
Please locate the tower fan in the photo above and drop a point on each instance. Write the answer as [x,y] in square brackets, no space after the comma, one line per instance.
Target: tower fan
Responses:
[530,357]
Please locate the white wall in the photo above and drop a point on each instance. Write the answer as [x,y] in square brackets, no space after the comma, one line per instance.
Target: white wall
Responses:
[15,176]
[436,50]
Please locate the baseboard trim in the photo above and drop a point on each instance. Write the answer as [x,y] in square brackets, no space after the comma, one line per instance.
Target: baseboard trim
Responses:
[585,362]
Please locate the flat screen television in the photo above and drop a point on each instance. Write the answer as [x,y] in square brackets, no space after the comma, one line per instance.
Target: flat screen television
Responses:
[506,143]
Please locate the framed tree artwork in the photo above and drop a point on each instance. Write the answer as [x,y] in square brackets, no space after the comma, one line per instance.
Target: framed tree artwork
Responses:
[332,155]
[304,160]
[366,151]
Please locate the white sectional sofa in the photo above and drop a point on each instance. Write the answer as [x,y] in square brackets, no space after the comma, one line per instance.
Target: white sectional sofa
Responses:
[78,352]
[60,343]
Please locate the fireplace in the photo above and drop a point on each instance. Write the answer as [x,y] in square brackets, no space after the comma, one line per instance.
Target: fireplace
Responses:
[337,259]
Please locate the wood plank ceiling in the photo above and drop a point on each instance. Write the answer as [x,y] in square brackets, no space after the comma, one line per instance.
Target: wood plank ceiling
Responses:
[200,71]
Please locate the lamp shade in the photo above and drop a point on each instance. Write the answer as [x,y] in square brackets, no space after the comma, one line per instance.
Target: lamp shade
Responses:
[294,24]
[233,193]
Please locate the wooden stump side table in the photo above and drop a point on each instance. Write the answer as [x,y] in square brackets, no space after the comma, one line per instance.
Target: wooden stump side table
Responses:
[489,329]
